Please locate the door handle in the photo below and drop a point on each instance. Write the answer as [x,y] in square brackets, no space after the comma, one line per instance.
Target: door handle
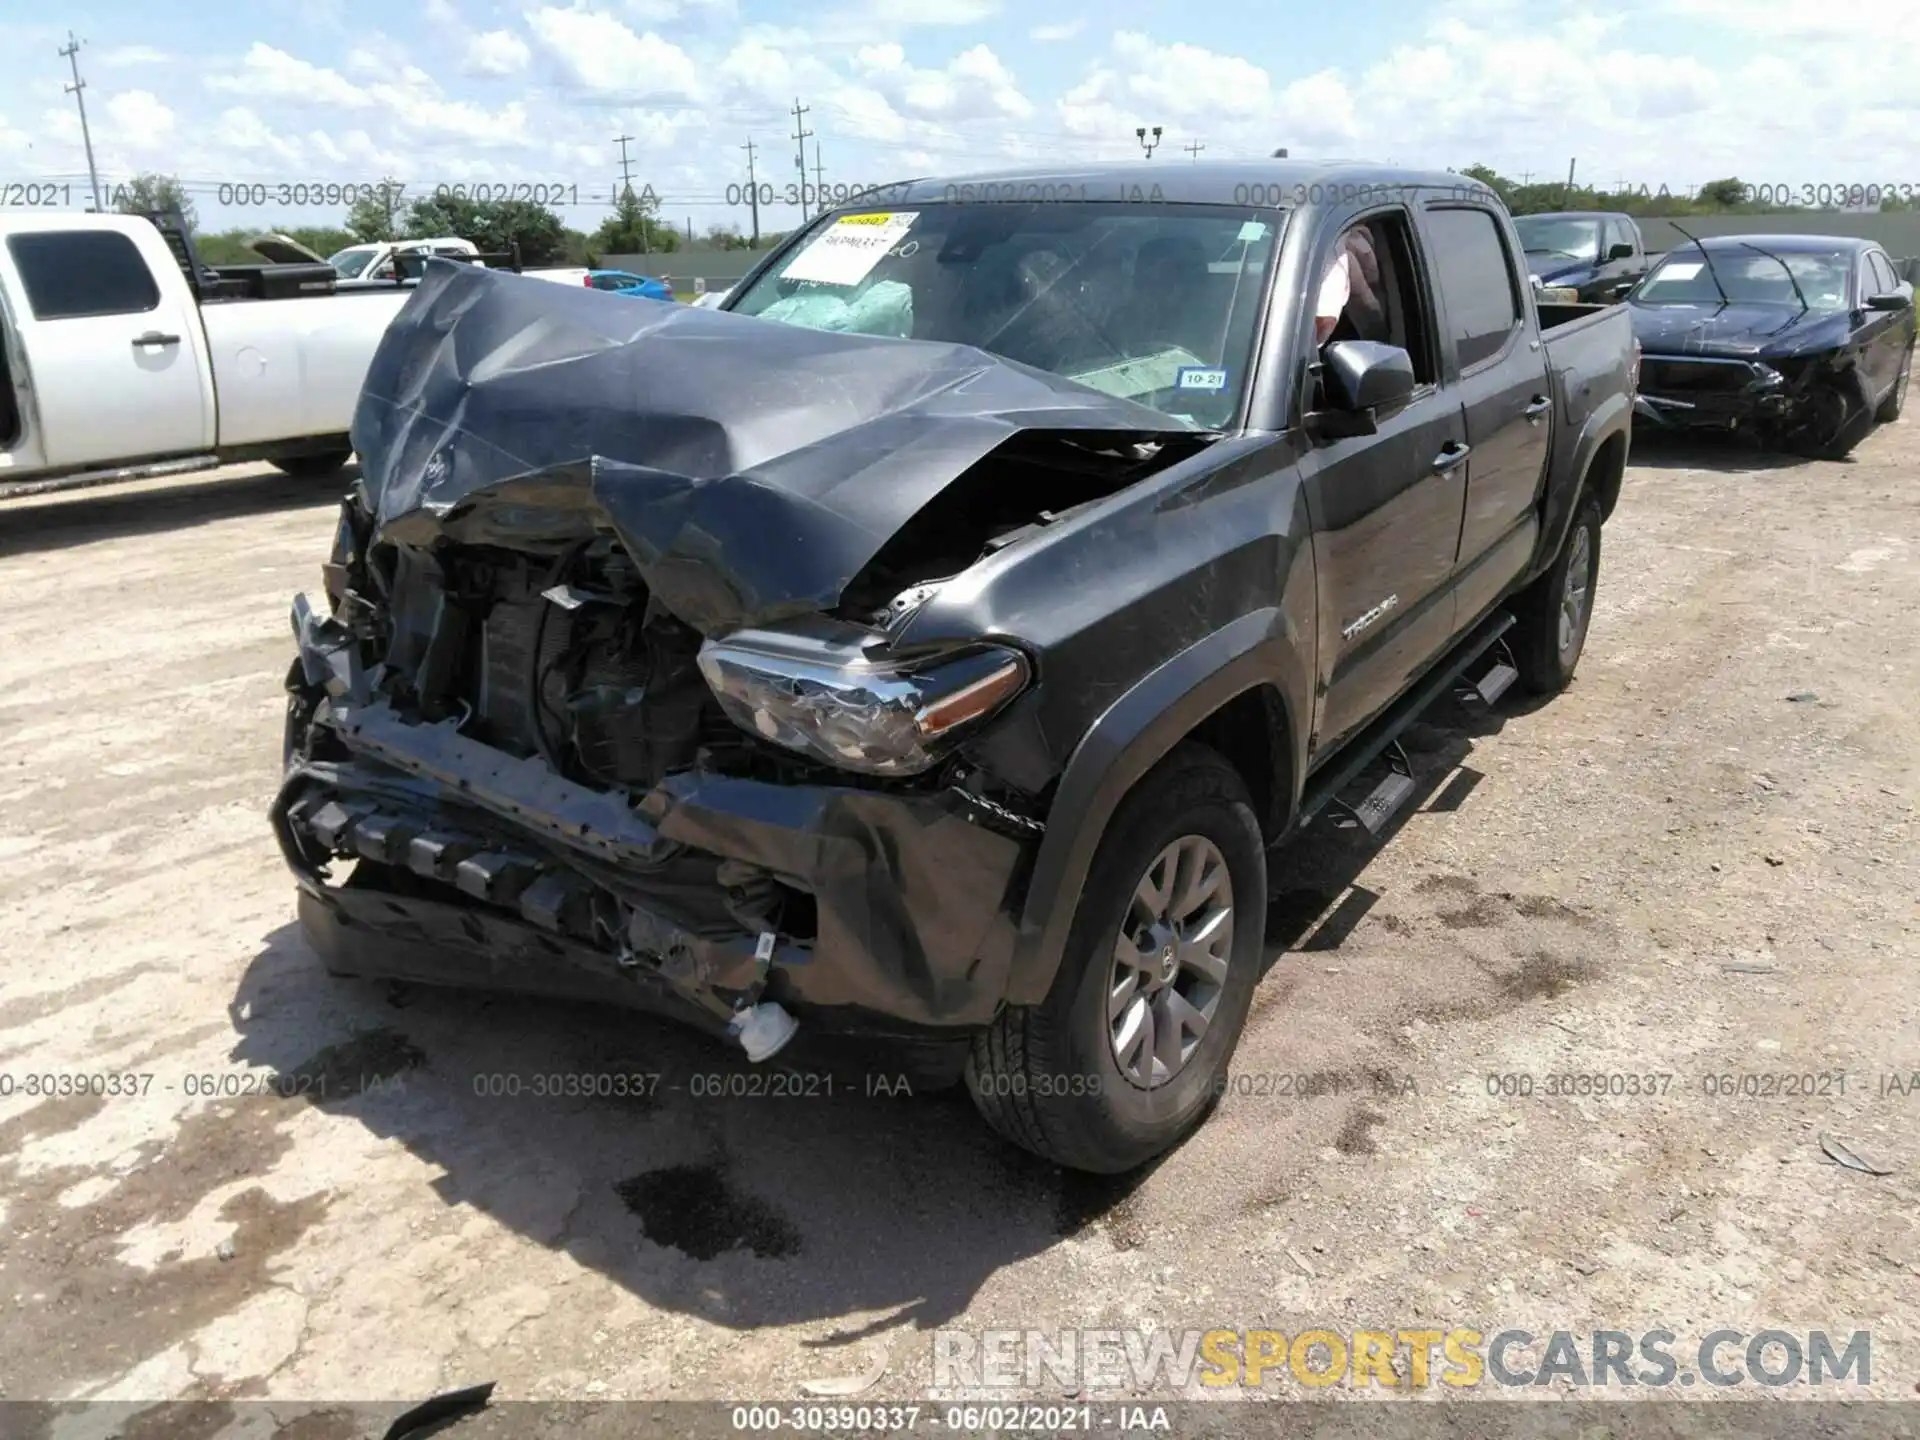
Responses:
[154,337]
[1451,456]
[1541,404]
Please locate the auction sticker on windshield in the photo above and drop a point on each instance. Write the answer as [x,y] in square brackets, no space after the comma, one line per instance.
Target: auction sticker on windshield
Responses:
[849,248]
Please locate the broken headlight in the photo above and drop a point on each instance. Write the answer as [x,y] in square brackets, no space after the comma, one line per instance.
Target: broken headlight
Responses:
[858,714]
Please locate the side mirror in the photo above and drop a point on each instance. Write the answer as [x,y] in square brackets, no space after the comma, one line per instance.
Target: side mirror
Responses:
[1365,375]
[1892,300]
[1620,252]
[1361,380]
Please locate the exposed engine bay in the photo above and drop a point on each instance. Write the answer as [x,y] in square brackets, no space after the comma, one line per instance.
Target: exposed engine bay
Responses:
[532,732]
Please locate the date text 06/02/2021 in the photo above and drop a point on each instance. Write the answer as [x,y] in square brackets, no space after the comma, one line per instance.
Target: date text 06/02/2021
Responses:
[1077,1418]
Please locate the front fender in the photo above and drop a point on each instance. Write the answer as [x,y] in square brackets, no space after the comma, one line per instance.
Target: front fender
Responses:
[1261,647]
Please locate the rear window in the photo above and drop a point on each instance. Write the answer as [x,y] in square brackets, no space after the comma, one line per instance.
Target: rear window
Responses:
[1476,282]
[70,274]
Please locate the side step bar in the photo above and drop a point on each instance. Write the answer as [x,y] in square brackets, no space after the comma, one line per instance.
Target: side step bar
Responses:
[1382,737]
[1495,682]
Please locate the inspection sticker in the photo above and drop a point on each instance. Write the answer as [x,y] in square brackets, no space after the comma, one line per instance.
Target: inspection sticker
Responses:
[850,247]
[1195,377]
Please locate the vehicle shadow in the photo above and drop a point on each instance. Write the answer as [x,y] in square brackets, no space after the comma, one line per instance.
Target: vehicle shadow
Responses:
[713,1187]
[748,1195]
[80,517]
[1724,454]
[1314,899]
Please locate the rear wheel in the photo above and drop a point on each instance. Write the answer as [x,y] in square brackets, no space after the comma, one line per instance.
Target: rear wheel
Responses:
[1129,1050]
[1552,616]
[308,467]
[1896,400]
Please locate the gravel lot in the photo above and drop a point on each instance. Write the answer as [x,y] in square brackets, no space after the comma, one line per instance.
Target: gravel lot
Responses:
[1698,863]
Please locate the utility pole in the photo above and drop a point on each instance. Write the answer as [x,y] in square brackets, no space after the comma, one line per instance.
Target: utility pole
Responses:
[819,180]
[753,192]
[1194,150]
[626,193]
[72,52]
[1569,197]
[1140,133]
[626,170]
[800,137]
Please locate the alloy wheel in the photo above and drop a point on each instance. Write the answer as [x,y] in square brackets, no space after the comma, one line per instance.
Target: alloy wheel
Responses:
[1170,961]
[1577,592]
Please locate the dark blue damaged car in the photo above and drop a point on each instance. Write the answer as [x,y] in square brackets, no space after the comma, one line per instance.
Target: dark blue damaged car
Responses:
[1804,342]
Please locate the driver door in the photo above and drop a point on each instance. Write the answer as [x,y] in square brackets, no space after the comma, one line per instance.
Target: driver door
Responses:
[1386,508]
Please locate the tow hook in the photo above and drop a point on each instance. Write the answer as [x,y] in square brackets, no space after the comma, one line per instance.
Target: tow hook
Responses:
[763,1030]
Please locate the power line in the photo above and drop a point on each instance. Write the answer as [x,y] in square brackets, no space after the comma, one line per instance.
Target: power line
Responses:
[72,52]
[800,137]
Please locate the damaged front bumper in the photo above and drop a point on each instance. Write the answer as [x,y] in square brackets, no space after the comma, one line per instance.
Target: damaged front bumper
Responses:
[1710,392]
[865,910]
[1689,392]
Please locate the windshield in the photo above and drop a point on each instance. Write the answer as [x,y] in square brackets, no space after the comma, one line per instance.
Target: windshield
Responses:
[349,263]
[1749,278]
[1147,302]
[1575,239]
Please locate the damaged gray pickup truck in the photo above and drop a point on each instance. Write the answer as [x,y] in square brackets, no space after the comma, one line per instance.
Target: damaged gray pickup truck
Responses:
[928,646]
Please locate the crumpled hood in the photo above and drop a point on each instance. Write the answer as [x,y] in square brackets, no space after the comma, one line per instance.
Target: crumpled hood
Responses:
[751,468]
[1745,330]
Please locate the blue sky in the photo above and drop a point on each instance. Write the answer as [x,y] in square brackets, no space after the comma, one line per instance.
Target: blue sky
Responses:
[465,91]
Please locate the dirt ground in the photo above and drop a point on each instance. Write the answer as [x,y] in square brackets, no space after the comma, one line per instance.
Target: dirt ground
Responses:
[1700,862]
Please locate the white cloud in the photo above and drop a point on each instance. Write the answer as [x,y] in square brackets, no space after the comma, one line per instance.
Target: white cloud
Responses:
[886,16]
[600,53]
[276,75]
[497,52]
[123,56]
[444,15]
[973,85]
[13,141]
[1182,80]
[139,120]
[1053,34]
[239,128]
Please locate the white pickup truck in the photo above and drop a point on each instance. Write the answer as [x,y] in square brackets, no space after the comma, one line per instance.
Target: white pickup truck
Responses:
[122,355]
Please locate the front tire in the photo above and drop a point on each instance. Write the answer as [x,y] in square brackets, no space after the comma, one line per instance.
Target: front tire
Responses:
[1552,616]
[312,467]
[1129,1050]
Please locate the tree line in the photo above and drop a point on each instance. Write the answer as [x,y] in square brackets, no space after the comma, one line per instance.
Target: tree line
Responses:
[634,227]
[1729,196]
